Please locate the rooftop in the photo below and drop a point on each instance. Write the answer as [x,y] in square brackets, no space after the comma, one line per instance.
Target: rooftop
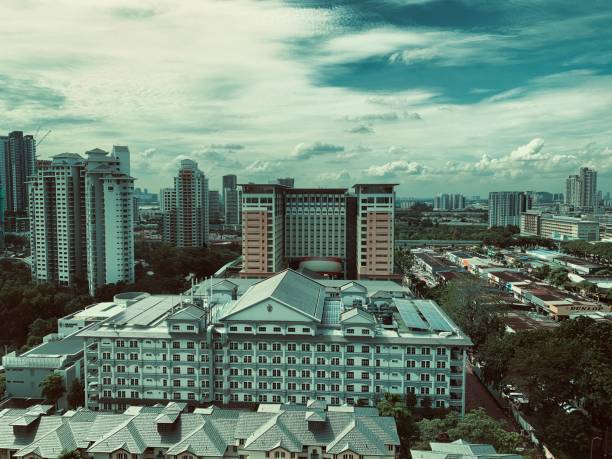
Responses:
[205,432]
[460,449]
[386,307]
[70,345]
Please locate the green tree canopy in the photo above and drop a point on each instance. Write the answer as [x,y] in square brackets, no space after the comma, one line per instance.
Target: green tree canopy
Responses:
[475,427]
[52,387]
[70,455]
[393,405]
[76,394]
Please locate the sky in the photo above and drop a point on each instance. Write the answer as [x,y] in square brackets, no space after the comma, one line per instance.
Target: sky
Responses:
[458,96]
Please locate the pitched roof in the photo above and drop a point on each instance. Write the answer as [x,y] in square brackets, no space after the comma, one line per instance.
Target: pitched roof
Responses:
[205,432]
[357,315]
[289,287]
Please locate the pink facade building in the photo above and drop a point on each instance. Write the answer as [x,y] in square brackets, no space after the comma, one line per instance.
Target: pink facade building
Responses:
[330,230]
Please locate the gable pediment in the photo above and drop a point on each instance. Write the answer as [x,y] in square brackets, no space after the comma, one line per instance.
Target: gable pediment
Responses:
[268,310]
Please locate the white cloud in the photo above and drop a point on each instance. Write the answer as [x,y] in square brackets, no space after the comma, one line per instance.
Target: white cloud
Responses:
[331,177]
[264,166]
[309,150]
[392,168]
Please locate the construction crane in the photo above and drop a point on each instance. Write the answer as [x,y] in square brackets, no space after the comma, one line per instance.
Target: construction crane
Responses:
[38,142]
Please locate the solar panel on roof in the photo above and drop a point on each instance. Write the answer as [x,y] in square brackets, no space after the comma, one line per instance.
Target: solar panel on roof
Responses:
[432,315]
[410,315]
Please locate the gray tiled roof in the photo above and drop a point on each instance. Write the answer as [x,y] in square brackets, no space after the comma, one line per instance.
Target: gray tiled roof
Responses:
[289,287]
[205,432]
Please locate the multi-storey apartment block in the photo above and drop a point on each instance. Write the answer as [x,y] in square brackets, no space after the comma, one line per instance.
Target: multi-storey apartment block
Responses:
[187,224]
[315,431]
[506,207]
[17,164]
[82,219]
[375,230]
[57,221]
[581,189]
[449,202]
[287,338]
[109,211]
[327,230]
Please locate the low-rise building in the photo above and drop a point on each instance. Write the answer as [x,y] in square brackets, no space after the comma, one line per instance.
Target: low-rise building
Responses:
[558,227]
[60,352]
[285,339]
[578,265]
[553,302]
[282,431]
[25,372]
[460,449]
[433,264]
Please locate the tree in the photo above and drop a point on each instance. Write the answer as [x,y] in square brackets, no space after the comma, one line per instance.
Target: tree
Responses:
[65,454]
[2,384]
[471,304]
[393,405]
[475,427]
[404,259]
[52,387]
[76,394]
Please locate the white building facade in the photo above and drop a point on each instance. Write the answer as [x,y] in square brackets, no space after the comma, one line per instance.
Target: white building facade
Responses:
[81,212]
[287,339]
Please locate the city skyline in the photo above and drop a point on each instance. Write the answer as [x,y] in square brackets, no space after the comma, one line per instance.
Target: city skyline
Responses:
[359,94]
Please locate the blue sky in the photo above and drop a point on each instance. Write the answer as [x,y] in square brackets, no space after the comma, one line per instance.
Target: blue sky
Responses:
[437,95]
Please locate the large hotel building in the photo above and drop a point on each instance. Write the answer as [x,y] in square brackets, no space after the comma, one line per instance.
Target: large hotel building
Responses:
[329,230]
[285,339]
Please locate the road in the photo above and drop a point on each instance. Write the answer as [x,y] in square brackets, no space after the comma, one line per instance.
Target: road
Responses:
[477,395]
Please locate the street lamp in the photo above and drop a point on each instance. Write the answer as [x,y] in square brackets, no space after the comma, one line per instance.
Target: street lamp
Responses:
[593,440]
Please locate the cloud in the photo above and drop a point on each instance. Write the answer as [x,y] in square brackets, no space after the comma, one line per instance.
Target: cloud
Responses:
[17,92]
[227,146]
[310,150]
[361,129]
[334,176]
[387,116]
[392,168]
[528,159]
[149,153]
[133,13]
[260,166]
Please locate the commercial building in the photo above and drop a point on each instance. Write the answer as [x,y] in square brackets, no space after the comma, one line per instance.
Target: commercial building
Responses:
[229,182]
[25,372]
[581,189]
[506,207]
[286,181]
[81,213]
[327,230]
[60,352]
[273,431]
[460,449]
[187,224]
[558,227]
[233,207]
[432,263]
[214,206]
[17,163]
[285,339]
[553,302]
[449,202]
